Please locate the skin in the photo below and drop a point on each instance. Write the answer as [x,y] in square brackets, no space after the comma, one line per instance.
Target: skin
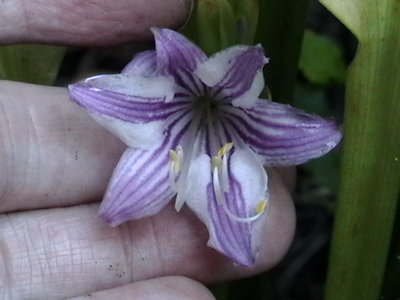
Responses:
[55,163]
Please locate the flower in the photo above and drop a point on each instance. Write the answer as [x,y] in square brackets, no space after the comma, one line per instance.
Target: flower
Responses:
[195,128]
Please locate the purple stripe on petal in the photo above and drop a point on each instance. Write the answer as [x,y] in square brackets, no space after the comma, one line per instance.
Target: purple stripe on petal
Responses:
[139,186]
[143,64]
[230,237]
[247,188]
[281,134]
[240,241]
[144,198]
[133,99]
[235,74]
[174,130]
[174,51]
[178,57]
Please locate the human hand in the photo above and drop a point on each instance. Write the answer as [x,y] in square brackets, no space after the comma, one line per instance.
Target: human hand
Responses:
[55,160]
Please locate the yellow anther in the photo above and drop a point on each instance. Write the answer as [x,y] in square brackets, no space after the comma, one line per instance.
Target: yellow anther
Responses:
[225,148]
[175,161]
[261,207]
[173,156]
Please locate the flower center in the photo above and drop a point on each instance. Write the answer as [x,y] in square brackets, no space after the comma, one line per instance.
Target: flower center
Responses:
[203,134]
[206,105]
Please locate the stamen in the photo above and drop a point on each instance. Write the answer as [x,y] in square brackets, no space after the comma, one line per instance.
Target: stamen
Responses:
[224,174]
[260,208]
[179,153]
[216,162]
[219,195]
[192,145]
[219,167]
[175,163]
[172,176]
[225,149]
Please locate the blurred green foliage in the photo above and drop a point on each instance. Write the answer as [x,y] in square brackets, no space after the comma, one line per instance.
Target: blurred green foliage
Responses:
[280,31]
[31,63]
[323,65]
[218,24]
[321,59]
[311,98]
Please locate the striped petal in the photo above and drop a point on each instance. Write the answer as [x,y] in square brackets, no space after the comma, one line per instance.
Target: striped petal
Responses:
[130,106]
[143,64]
[281,134]
[140,185]
[232,228]
[178,57]
[235,74]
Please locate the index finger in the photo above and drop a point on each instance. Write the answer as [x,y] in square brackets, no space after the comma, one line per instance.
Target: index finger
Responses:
[87,23]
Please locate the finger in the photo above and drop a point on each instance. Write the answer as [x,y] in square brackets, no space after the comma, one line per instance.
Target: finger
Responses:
[51,153]
[82,22]
[67,252]
[165,288]
[288,176]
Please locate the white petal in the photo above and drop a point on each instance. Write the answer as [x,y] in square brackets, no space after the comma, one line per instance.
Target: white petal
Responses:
[250,97]
[135,85]
[235,74]
[248,170]
[198,180]
[141,136]
[213,70]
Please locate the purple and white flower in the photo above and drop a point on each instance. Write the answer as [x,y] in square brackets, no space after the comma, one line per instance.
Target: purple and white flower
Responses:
[196,129]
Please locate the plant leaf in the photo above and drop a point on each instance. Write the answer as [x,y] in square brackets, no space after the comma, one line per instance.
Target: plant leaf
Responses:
[218,24]
[371,154]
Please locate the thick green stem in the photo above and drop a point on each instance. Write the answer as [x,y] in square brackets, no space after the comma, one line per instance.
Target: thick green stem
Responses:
[280,31]
[370,182]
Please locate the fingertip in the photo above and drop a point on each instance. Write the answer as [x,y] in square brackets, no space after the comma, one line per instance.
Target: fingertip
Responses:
[280,224]
[288,176]
[166,288]
[88,23]
[278,229]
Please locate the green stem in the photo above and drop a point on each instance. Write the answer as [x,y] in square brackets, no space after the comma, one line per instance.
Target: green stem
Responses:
[280,31]
[371,153]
